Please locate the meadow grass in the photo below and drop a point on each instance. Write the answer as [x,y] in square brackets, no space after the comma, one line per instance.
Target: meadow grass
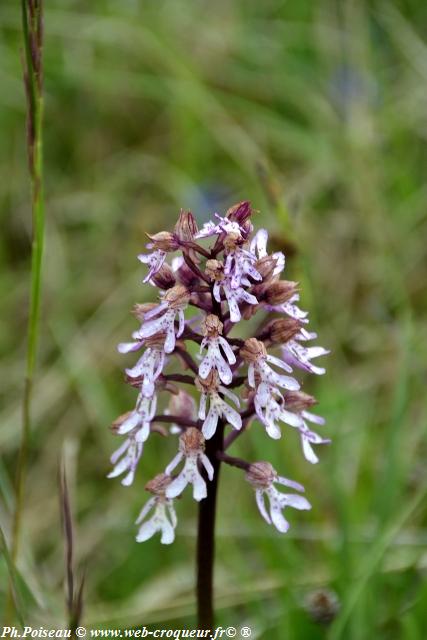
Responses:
[316,113]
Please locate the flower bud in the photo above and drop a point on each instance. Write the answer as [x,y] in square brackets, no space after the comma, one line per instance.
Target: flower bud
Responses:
[252,350]
[212,326]
[265,267]
[187,277]
[140,309]
[164,278]
[157,340]
[280,292]
[178,297]
[297,401]
[186,227]
[282,330]
[164,241]
[192,441]
[261,474]
[158,484]
[240,212]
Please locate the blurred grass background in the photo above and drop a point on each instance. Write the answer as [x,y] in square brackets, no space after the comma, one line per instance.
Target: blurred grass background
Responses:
[316,112]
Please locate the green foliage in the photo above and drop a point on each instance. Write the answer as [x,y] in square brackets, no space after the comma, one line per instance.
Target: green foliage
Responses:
[315,112]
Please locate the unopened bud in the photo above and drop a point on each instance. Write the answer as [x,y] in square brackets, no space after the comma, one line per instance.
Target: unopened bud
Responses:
[158,484]
[282,330]
[265,267]
[253,350]
[261,474]
[140,309]
[164,278]
[157,340]
[280,292]
[240,212]
[212,326]
[164,240]
[186,227]
[297,401]
[192,441]
[178,297]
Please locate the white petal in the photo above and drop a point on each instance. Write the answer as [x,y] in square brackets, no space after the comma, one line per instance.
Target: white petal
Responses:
[178,485]
[127,347]
[289,483]
[229,353]
[147,530]
[173,463]
[279,521]
[232,416]
[168,534]
[199,487]
[207,465]
[205,367]
[130,423]
[259,496]
[210,424]
[308,451]
[145,509]
[297,502]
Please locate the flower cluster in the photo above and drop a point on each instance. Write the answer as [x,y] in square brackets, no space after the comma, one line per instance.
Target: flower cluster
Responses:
[225,274]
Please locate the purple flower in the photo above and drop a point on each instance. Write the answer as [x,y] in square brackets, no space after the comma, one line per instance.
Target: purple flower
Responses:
[192,446]
[238,266]
[218,408]
[258,249]
[164,517]
[270,409]
[140,418]
[223,226]
[126,458]
[298,356]
[259,371]
[161,319]
[148,368]
[263,476]
[213,340]
[154,260]
[233,297]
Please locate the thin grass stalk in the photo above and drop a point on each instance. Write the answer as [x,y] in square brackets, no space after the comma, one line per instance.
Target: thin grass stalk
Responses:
[32,25]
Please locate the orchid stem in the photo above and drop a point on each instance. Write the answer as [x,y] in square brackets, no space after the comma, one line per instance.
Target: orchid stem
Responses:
[206,536]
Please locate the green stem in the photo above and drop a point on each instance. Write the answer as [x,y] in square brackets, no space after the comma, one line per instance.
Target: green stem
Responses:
[31,20]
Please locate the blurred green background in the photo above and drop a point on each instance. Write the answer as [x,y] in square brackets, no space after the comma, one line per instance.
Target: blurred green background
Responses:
[316,112]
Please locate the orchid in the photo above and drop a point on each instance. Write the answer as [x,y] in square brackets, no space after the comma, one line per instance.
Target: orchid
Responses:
[235,381]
